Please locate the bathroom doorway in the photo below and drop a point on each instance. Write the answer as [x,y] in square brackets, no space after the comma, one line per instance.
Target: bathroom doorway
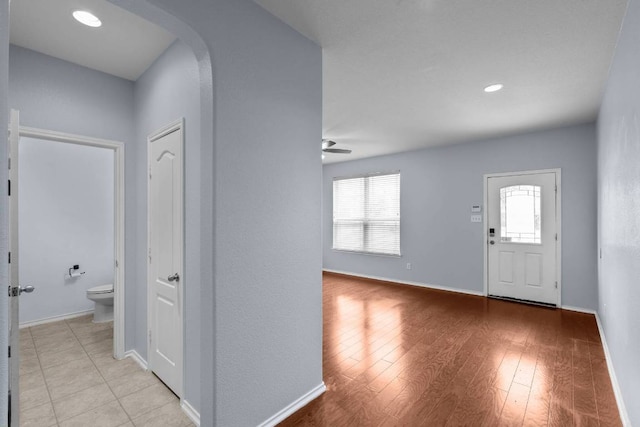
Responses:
[103,154]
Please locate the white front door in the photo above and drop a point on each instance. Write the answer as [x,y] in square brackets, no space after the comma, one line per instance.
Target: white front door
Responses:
[166,256]
[522,237]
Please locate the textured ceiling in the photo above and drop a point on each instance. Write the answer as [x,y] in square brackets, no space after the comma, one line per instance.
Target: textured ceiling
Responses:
[400,75]
[125,45]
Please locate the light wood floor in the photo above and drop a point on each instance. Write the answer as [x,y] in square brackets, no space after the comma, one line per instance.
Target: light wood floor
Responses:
[397,355]
[69,378]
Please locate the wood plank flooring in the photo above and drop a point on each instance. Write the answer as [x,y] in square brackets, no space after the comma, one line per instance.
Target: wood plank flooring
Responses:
[397,355]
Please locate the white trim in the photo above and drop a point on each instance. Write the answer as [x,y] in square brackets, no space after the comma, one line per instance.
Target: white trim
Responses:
[624,415]
[55,318]
[190,412]
[294,406]
[119,210]
[405,282]
[132,354]
[579,309]
[485,182]
[176,125]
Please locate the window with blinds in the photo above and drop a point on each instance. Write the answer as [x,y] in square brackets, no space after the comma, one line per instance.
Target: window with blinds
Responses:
[366,214]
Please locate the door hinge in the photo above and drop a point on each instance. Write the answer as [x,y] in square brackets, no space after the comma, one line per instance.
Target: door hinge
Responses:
[9,257]
[556,237]
[556,285]
[9,187]
[9,351]
[150,173]
[116,263]
[9,161]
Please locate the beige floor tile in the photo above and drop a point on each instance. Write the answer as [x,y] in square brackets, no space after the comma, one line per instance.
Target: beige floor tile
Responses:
[82,401]
[28,352]
[87,318]
[127,384]
[169,415]
[109,415]
[39,416]
[68,369]
[27,343]
[64,385]
[92,337]
[31,380]
[113,368]
[28,364]
[100,348]
[49,329]
[90,327]
[34,397]
[53,358]
[147,399]
[57,343]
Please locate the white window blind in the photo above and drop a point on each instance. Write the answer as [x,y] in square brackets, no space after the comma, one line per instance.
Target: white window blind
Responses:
[366,214]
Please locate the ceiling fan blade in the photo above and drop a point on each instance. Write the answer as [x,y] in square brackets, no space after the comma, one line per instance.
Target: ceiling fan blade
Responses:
[327,143]
[336,150]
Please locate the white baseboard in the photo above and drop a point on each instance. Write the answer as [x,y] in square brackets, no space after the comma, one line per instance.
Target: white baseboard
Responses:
[404,282]
[190,411]
[579,310]
[137,358]
[624,415]
[294,406]
[55,318]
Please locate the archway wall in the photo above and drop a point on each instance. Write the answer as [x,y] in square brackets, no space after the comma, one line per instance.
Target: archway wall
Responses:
[260,187]
[167,91]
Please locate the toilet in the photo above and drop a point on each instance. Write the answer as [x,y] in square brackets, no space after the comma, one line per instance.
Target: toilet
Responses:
[103,297]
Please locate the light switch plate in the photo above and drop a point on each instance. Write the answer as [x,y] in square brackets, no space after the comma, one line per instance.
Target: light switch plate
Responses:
[476,218]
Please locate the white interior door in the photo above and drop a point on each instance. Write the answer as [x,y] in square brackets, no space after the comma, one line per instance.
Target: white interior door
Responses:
[166,256]
[522,237]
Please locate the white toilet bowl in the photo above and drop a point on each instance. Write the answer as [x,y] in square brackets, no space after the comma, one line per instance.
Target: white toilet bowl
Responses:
[103,297]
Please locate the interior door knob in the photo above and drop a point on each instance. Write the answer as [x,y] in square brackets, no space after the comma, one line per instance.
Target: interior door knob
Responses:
[27,289]
[174,278]
[492,242]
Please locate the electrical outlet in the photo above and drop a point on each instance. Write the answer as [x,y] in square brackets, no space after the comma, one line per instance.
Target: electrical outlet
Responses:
[476,218]
[408,266]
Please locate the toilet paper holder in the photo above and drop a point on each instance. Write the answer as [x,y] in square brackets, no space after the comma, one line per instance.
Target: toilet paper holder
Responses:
[73,272]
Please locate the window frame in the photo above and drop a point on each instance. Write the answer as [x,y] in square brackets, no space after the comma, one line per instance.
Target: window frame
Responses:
[367,221]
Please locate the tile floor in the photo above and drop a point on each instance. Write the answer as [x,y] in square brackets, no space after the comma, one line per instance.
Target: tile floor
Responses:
[68,377]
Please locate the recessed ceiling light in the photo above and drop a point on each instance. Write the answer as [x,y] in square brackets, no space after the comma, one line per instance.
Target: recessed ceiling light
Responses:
[493,88]
[87,18]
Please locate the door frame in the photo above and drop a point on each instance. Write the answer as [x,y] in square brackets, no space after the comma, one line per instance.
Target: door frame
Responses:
[174,126]
[119,217]
[485,233]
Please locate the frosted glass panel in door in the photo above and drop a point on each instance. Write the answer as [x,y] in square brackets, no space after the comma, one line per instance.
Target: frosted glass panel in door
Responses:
[520,214]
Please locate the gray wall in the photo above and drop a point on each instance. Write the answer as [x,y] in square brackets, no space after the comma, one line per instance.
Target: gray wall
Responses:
[619,211]
[438,187]
[268,295]
[56,95]
[66,218]
[169,90]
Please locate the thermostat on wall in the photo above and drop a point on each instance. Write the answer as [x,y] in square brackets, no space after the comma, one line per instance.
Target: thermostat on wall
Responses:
[476,208]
